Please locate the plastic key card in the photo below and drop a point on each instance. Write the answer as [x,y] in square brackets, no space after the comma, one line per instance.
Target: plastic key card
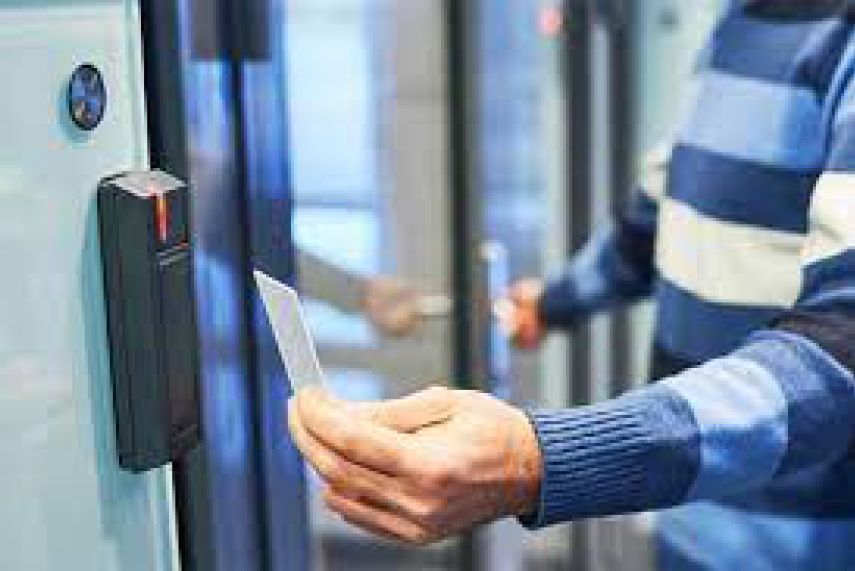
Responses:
[296,347]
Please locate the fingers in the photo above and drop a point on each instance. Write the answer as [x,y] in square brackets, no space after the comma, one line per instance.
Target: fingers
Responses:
[526,291]
[334,469]
[428,407]
[333,425]
[377,521]
[392,305]
[428,520]
[422,467]
[414,412]
[518,313]
[505,312]
[352,479]
[529,330]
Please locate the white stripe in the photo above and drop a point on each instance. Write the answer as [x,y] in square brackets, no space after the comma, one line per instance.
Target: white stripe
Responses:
[654,172]
[724,262]
[741,413]
[832,217]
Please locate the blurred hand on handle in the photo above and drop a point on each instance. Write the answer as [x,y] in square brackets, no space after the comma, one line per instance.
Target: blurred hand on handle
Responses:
[519,313]
[421,468]
[398,308]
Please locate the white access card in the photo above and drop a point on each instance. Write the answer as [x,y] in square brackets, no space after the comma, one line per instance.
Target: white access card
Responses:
[296,347]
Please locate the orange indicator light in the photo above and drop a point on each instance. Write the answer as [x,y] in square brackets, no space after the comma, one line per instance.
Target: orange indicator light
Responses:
[161,217]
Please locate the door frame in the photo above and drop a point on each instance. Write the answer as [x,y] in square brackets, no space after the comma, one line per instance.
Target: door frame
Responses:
[273,489]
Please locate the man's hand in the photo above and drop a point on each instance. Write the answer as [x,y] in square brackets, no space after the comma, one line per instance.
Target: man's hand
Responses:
[392,305]
[519,314]
[421,468]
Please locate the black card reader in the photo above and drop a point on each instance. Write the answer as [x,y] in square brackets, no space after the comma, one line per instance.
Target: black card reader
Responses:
[148,275]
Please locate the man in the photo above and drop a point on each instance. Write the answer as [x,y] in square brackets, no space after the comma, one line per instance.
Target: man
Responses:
[750,254]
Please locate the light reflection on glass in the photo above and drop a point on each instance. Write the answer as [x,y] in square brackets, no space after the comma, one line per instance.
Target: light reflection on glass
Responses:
[332,327]
[348,238]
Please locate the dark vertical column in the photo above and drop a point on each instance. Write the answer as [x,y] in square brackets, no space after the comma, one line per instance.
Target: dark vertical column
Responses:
[469,284]
[260,82]
[582,17]
[165,109]
[576,67]
[577,73]
[169,151]
[466,212]
[622,154]
[168,148]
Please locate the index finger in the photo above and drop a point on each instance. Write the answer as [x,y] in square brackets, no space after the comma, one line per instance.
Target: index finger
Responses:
[333,423]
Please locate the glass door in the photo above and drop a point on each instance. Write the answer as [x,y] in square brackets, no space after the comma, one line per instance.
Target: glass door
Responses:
[510,156]
[368,128]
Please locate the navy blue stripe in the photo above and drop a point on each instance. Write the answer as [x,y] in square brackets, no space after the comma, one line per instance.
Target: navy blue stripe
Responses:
[832,331]
[557,307]
[663,364]
[697,330]
[829,281]
[829,45]
[738,191]
[642,212]
[635,237]
[792,10]
[770,50]
[829,494]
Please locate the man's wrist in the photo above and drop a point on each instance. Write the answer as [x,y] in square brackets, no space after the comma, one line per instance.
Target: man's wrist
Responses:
[528,469]
[634,453]
[556,305]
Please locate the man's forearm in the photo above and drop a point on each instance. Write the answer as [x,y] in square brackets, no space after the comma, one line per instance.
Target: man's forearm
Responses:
[323,280]
[778,407]
[615,266]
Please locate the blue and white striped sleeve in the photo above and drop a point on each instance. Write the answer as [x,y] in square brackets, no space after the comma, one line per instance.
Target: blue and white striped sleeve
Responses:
[780,407]
[616,265]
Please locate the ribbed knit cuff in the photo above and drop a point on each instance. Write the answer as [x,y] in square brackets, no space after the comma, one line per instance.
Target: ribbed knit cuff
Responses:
[626,455]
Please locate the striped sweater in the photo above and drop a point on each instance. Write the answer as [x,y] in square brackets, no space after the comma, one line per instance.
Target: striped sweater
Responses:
[749,251]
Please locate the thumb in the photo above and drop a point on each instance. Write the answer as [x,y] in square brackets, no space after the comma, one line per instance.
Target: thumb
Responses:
[411,413]
[527,290]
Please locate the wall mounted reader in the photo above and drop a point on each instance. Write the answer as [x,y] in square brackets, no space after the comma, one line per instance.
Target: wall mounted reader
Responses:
[148,276]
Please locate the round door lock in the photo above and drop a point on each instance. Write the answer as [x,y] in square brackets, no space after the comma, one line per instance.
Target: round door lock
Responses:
[87,97]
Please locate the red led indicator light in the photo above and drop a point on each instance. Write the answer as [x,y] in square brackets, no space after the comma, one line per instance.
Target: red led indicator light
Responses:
[161,210]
